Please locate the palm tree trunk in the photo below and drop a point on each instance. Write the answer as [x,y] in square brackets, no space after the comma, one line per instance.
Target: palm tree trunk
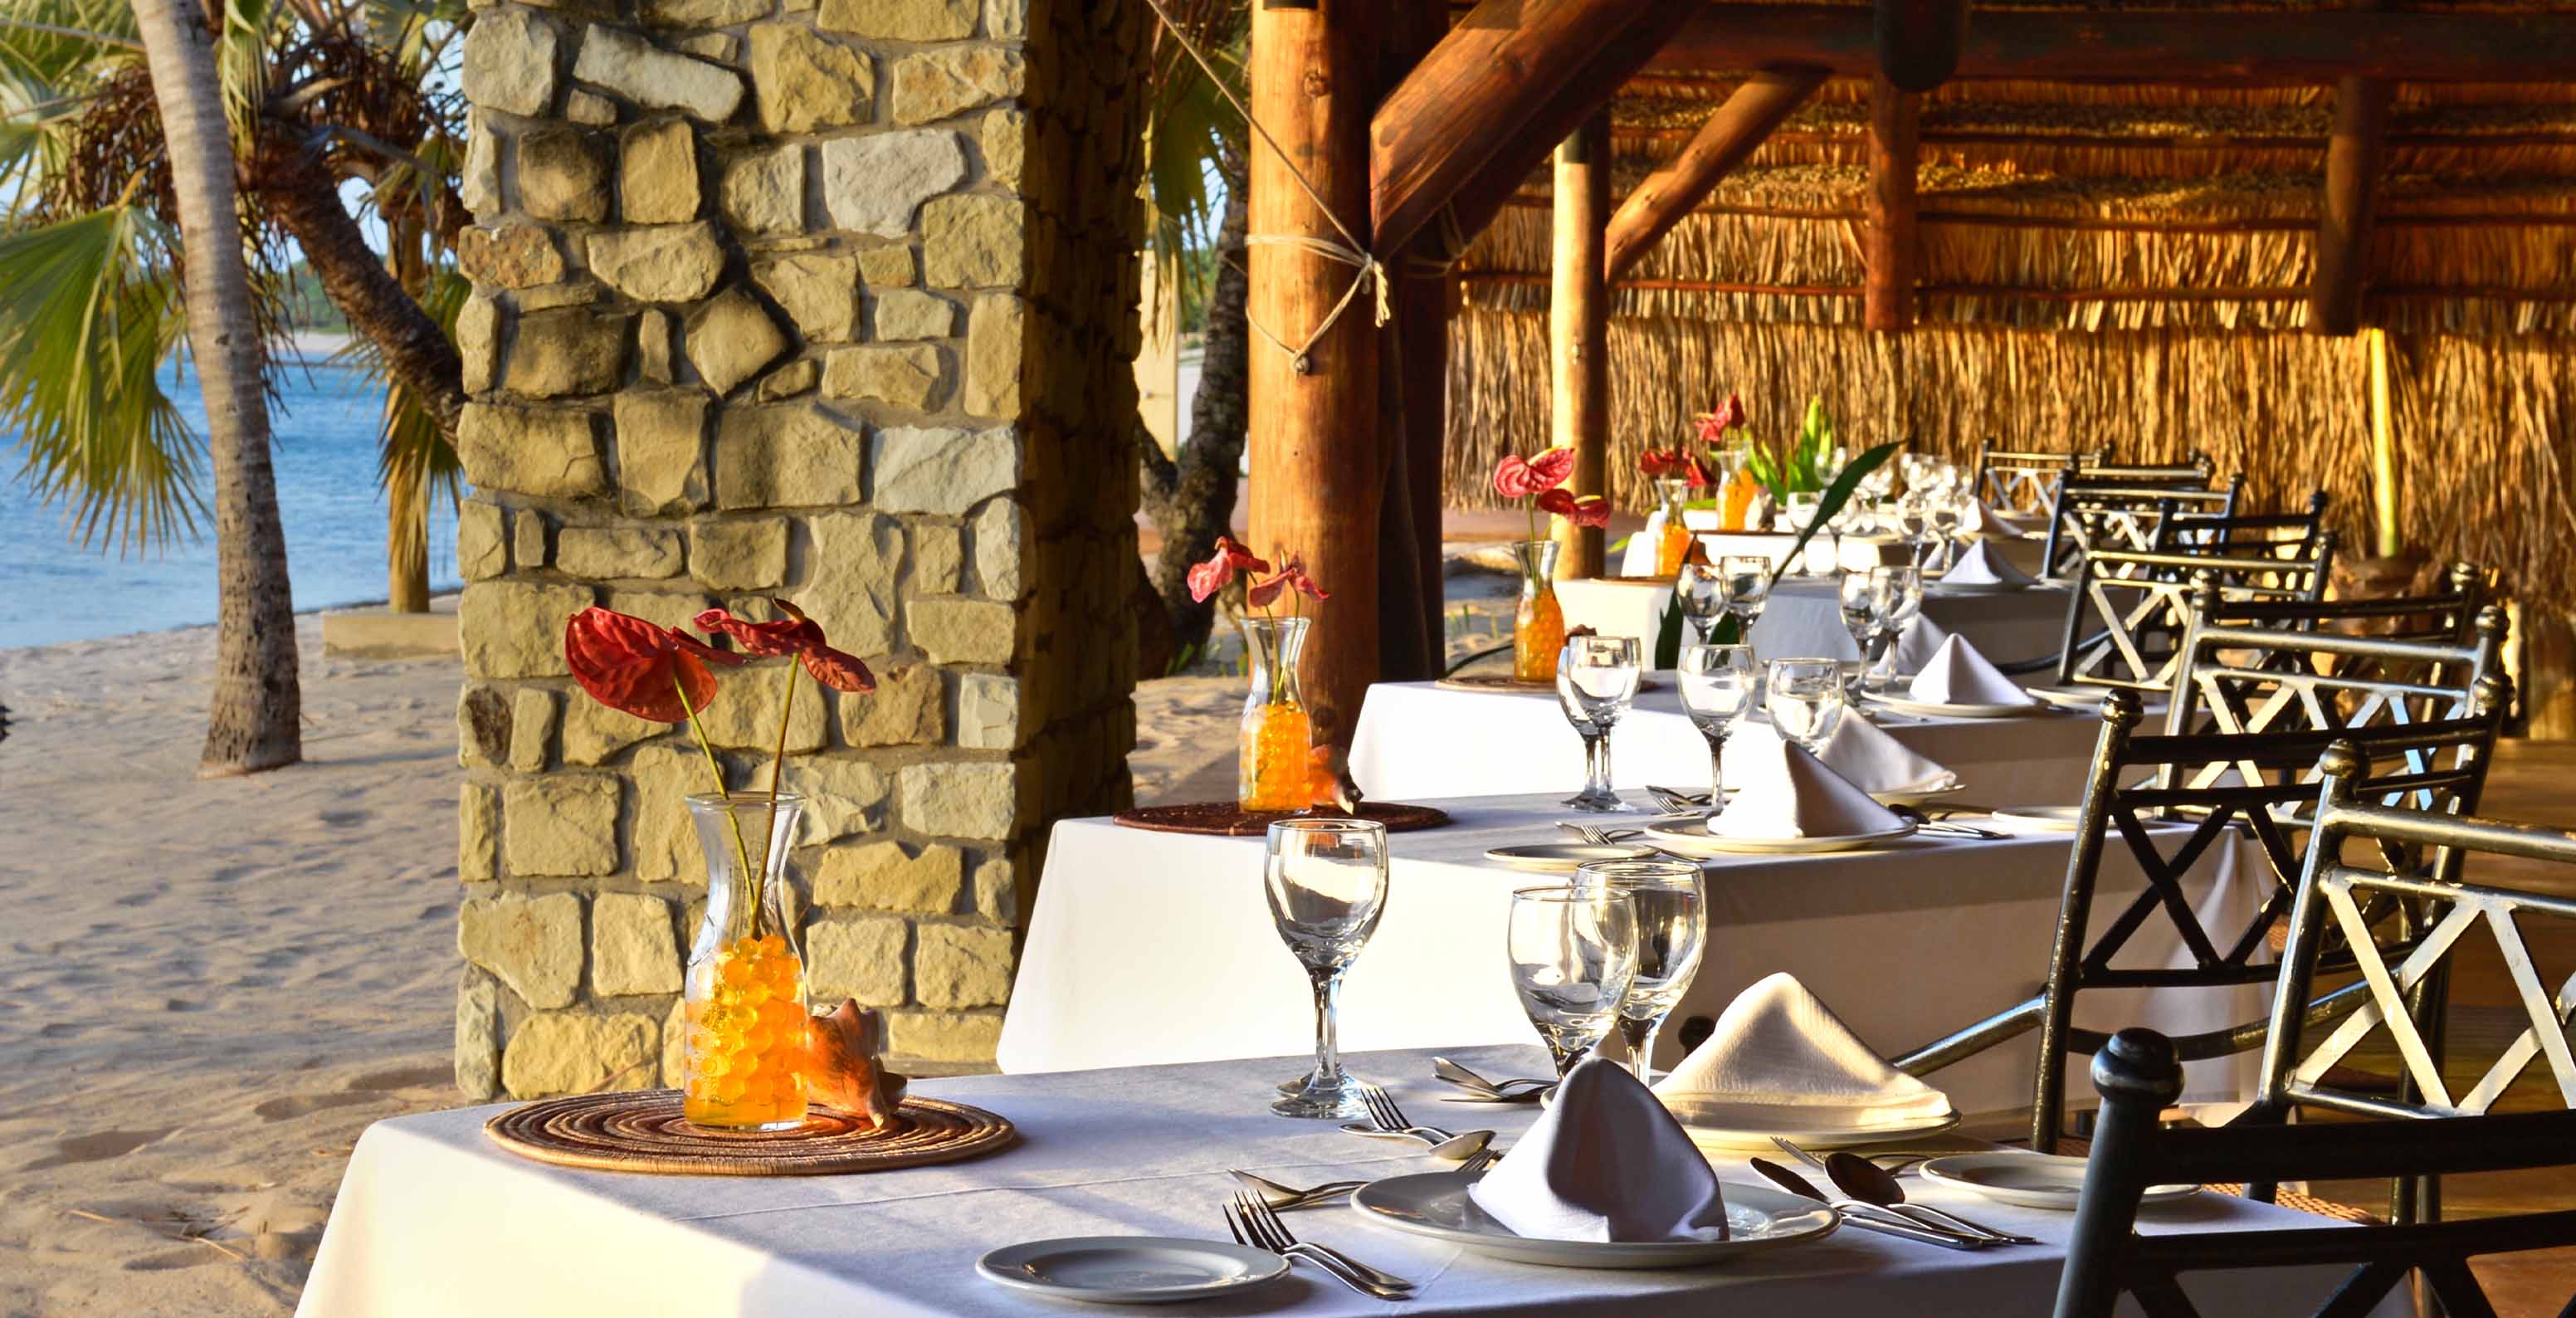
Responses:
[406,543]
[254,716]
[306,198]
[1192,499]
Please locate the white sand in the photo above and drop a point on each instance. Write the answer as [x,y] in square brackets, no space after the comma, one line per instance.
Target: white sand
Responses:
[210,988]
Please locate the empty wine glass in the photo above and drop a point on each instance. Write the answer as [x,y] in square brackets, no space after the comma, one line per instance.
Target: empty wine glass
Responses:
[1805,699]
[1896,597]
[1573,953]
[1596,679]
[1672,927]
[1326,880]
[1852,593]
[1748,589]
[1718,684]
[1701,589]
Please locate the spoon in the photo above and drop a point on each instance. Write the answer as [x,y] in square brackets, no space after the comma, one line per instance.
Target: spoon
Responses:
[1289,1196]
[1452,1148]
[1871,1184]
[1501,1090]
[1892,1224]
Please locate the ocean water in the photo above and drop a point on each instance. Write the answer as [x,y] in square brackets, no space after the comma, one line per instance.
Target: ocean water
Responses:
[53,589]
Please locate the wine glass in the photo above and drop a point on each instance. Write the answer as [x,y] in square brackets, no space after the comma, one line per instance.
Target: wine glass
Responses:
[1672,927]
[1852,593]
[1718,684]
[1573,953]
[1701,588]
[1896,596]
[1596,679]
[1805,699]
[1943,507]
[1748,589]
[1326,880]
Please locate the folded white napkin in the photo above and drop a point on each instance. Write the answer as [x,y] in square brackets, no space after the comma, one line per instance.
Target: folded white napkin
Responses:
[1873,761]
[1915,646]
[1607,1162]
[1788,793]
[1776,1044]
[1982,565]
[1958,675]
[1990,522]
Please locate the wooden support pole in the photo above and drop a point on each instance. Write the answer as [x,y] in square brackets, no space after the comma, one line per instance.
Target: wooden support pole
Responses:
[1888,244]
[2353,155]
[1730,135]
[1316,478]
[1414,358]
[1578,333]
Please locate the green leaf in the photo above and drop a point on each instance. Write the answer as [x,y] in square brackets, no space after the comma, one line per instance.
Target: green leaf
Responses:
[1668,634]
[1830,505]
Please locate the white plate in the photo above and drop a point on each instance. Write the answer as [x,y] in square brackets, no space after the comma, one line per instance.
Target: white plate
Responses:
[1939,586]
[1564,857]
[1932,709]
[1131,1269]
[1917,796]
[1739,1126]
[1435,1204]
[1692,838]
[2089,698]
[2031,1180]
[2053,818]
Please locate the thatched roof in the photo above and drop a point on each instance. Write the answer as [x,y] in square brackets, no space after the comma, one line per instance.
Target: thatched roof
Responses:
[2120,265]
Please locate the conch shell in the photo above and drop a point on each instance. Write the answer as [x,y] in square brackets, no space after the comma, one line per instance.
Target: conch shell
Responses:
[847,1074]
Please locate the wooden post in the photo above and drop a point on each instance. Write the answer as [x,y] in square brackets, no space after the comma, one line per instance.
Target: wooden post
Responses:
[1314,424]
[1420,363]
[1739,126]
[2343,218]
[1578,333]
[2383,451]
[1889,245]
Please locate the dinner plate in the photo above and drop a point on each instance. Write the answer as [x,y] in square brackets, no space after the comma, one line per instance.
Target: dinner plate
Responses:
[1740,1126]
[1435,1204]
[2052,818]
[1691,837]
[1965,709]
[1131,1269]
[1917,795]
[1939,586]
[1564,857]
[2031,1180]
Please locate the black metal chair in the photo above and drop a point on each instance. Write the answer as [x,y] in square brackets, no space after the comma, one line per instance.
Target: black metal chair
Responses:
[2447,616]
[2126,795]
[2139,1073]
[2014,481]
[2130,611]
[2095,512]
[2234,535]
[2238,678]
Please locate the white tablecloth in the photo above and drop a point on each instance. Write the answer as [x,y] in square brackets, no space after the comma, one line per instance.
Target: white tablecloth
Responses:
[1158,947]
[433,1220]
[1824,551]
[1803,618]
[1421,739]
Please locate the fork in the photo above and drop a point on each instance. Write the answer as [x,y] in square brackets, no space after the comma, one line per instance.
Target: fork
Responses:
[1386,1119]
[1270,1233]
[1599,837]
[1285,1197]
[1489,1091]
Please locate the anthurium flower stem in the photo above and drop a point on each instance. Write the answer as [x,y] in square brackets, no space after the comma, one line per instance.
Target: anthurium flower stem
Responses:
[778,758]
[747,884]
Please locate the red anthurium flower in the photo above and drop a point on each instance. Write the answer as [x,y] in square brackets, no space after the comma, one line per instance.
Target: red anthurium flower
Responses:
[1659,462]
[794,634]
[1714,425]
[1237,557]
[1588,510]
[631,665]
[1697,470]
[1516,477]
[1219,570]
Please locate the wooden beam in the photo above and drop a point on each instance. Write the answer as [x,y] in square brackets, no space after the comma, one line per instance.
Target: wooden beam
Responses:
[2353,157]
[1888,244]
[1578,334]
[1316,476]
[1730,135]
[1498,92]
[1918,41]
[2308,46]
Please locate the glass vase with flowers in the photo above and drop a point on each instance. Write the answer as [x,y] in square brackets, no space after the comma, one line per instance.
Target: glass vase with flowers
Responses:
[1538,624]
[1274,745]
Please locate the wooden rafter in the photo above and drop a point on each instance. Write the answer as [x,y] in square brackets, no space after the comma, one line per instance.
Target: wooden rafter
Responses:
[1730,135]
[1888,244]
[2353,156]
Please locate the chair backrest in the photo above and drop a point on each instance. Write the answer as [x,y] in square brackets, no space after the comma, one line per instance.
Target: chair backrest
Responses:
[2448,616]
[2139,1073]
[2092,512]
[2237,678]
[2194,469]
[2336,896]
[2278,535]
[2026,482]
[2129,612]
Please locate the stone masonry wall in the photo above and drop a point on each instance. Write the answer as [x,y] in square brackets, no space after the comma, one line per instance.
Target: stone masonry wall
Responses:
[829,299]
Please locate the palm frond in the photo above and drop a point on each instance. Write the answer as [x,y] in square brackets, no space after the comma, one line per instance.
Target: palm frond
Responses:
[415,460]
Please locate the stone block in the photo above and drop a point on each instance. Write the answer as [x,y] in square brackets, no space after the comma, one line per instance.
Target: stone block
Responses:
[974,241]
[959,965]
[1005,139]
[765,193]
[662,263]
[653,346]
[783,456]
[860,959]
[580,291]
[996,355]
[740,553]
[874,184]
[570,1053]
[532,728]
[593,733]
[478,1035]
[633,68]
[482,726]
[886,267]
[662,608]
[478,344]
[657,176]
[478,834]
[532,944]
[902,20]
[944,1036]
[632,949]
[904,313]
[908,376]
[935,84]
[566,351]
[563,173]
[906,709]
[514,629]
[717,46]
[732,339]
[528,539]
[817,290]
[938,559]
[966,799]
[1006,20]
[661,451]
[482,549]
[744,715]
[478,179]
[942,470]
[805,80]
[849,579]
[510,255]
[988,712]
[590,108]
[543,452]
[1000,531]
[510,62]
[885,877]
[796,377]
[842,797]
[963,631]
[665,842]
[996,898]
[560,825]
[604,553]
[703,13]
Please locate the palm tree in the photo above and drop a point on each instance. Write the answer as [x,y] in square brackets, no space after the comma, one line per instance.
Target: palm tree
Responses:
[254,719]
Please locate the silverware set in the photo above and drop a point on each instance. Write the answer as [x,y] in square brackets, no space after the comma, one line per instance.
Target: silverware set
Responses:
[1870,1198]
[1945,826]
[1387,1121]
[1483,1090]
[1255,1225]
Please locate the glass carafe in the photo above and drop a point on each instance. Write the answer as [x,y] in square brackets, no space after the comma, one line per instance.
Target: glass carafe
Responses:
[1277,729]
[1675,542]
[1538,626]
[748,1044]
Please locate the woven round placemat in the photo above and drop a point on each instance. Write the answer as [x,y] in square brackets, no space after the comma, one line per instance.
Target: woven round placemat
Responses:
[1226,819]
[1500,683]
[642,1131]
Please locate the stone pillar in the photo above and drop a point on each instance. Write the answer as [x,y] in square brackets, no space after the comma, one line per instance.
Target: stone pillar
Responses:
[826,299]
